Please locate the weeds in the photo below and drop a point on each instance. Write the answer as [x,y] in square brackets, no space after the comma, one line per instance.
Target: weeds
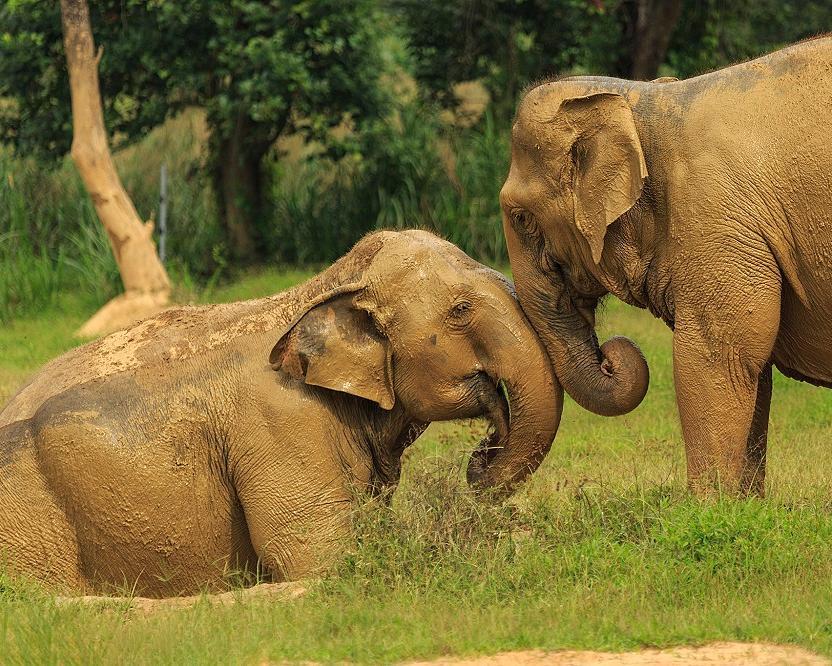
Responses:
[438,540]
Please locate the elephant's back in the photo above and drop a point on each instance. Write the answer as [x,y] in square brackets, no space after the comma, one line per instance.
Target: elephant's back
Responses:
[182,333]
[162,342]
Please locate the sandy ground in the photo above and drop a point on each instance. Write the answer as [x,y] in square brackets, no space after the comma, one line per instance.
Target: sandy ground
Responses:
[759,654]
[144,605]
[739,654]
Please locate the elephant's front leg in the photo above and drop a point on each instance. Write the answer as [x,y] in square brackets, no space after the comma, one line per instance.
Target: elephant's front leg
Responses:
[295,529]
[723,390]
[297,503]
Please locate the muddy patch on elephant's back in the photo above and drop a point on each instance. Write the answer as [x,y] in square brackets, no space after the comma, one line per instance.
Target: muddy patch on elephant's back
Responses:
[741,654]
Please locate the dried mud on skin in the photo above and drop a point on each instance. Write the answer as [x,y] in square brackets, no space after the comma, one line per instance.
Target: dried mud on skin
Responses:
[147,605]
[738,654]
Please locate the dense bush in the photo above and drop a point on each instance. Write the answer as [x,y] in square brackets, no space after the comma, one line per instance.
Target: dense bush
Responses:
[410,173]
[398,164]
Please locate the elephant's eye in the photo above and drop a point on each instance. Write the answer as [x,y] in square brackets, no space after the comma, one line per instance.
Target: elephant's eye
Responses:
[460,312]
[524,220]
[550,265]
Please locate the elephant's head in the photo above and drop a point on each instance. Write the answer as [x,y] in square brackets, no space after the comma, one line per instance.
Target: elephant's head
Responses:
[576,166]
[423,328]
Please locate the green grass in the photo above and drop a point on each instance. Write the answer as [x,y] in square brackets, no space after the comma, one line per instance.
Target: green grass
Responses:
[602,549]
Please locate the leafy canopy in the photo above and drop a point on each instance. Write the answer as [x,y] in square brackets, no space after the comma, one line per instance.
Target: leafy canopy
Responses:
[509,43]
[506,43]
[270,62]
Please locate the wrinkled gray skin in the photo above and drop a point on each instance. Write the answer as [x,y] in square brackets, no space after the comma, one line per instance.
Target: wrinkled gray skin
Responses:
[707,201]
[233,437]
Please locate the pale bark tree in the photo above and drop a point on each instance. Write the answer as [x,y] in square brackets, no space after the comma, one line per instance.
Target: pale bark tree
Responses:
[146,285]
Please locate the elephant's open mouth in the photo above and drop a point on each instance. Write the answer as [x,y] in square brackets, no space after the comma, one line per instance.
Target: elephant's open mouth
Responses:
[494,398]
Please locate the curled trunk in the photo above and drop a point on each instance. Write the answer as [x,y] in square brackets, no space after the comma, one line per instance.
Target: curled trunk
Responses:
[610,379]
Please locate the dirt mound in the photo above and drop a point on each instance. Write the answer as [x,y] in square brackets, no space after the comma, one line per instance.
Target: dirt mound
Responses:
[739,654]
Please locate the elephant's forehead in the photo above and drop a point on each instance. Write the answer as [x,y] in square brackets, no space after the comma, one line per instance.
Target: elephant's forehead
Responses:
[414,273]
[540,102]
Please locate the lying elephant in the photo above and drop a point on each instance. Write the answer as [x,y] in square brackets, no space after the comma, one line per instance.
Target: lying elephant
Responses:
[707,201]
[232,437]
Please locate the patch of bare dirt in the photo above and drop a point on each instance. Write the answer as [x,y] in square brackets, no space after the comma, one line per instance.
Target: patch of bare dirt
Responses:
[147,605]
[738,654]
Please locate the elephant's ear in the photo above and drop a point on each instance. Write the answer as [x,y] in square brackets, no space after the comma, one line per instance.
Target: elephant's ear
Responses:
[335,344]
[608,163]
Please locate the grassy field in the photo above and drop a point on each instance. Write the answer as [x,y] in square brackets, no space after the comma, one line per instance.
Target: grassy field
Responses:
[602,549]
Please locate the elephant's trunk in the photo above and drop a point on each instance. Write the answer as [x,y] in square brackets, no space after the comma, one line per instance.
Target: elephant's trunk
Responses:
[609,380]
[522,399]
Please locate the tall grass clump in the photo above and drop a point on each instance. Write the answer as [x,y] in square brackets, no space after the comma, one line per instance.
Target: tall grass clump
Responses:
[50,239]
[442,178]
[469,213]
[437,540]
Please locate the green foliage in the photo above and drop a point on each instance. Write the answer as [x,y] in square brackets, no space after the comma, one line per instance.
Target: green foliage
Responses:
[510,43]
[262,60]
[411,171]
[50,239]
[713,34]
[258,68]
[303,66]
[507,43]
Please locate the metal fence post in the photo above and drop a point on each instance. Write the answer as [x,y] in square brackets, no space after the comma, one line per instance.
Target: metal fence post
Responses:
[163,211]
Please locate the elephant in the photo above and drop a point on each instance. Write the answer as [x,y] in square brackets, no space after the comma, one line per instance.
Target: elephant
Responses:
[707,201]
[230,441]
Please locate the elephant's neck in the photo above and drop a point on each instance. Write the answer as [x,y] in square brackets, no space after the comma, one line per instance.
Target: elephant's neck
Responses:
[638,271]
[380,437]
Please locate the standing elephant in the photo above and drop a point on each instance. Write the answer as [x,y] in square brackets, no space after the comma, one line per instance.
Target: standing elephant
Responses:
[228,438]
[707,201]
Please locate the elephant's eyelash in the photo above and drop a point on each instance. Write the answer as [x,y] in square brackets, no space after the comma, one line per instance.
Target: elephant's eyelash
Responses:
[460,313]
[523,219]
[548,262]
[461,308]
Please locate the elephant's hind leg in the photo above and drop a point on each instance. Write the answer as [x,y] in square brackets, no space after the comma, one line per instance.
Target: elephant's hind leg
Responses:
[36,539]
[754,473]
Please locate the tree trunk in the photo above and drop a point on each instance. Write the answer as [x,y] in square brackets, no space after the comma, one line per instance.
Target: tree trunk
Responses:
[648,27]
[146,284]
[238,179]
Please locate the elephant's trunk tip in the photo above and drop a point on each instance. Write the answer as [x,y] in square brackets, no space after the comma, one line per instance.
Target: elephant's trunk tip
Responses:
[522,430]
[625,364]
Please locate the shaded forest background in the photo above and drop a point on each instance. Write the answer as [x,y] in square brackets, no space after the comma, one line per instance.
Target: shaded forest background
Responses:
[290,128]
